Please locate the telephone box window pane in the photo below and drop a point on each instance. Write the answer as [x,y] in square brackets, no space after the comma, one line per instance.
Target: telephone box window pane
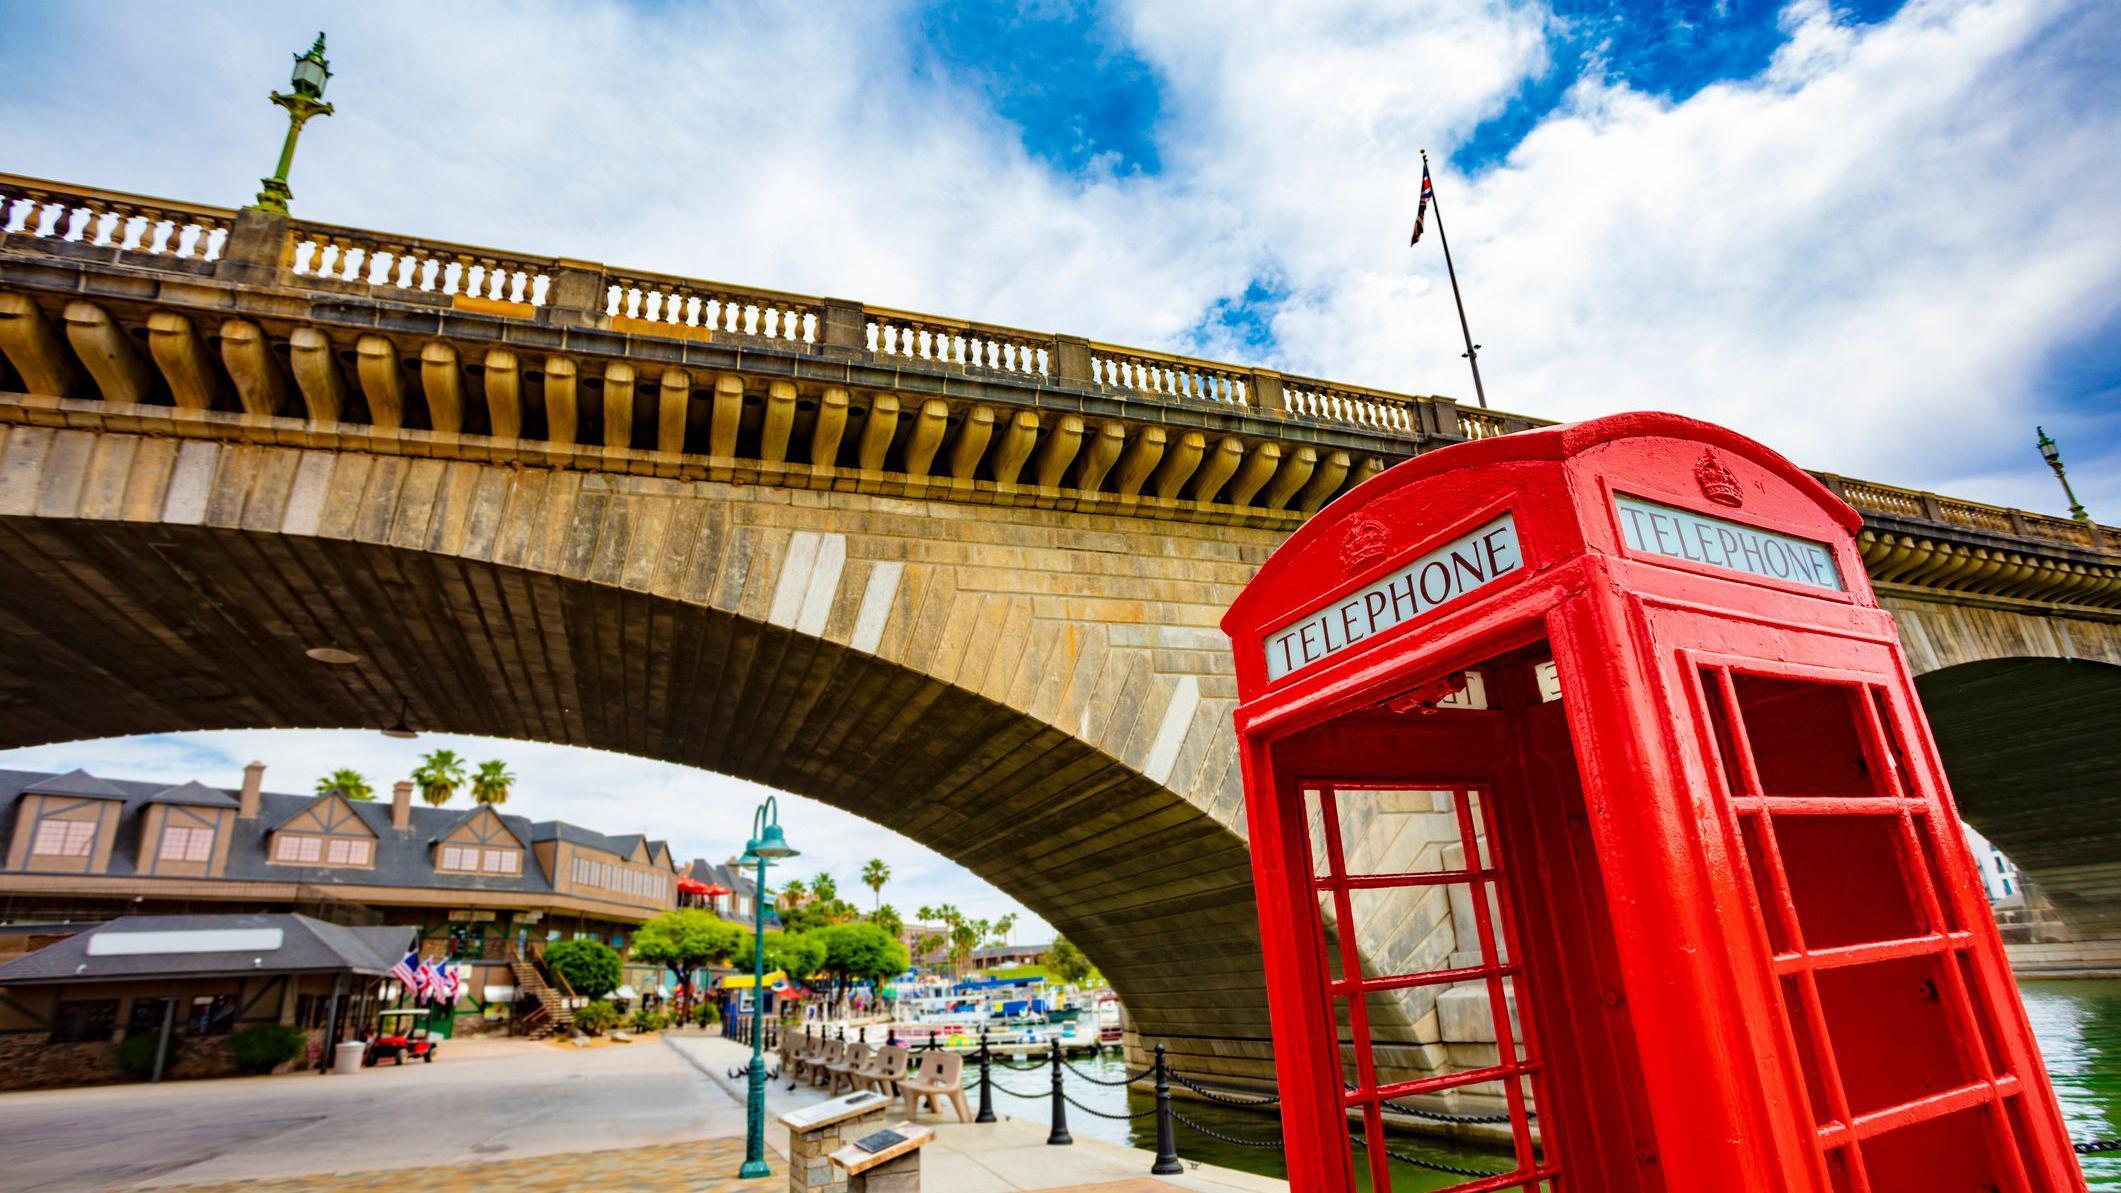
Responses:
[1409,929]
[1391,831]
[1846,878]
[1891,1032]
[1953,1151]
[1727,747]
[1752,836]
[1807,1048]
[1804,736]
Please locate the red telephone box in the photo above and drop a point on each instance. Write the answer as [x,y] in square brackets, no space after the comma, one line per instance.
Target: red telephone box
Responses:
[1632,671]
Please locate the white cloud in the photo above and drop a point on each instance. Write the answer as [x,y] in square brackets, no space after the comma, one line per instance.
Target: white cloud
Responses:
[1864,257]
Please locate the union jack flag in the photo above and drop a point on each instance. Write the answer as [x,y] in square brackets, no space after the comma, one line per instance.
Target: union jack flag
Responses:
[407,970]
[1421,212]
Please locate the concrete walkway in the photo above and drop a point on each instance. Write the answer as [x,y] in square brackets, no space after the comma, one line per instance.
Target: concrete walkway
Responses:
[985,1157]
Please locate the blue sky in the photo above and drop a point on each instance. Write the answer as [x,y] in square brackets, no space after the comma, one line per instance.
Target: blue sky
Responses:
[1877,235]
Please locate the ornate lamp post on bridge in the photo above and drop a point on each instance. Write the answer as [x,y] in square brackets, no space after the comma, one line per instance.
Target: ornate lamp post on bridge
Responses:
[304,101]
[767,844]
[2053,455]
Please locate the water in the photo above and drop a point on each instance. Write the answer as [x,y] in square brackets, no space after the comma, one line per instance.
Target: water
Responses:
[2079,1027]
[2078,1024]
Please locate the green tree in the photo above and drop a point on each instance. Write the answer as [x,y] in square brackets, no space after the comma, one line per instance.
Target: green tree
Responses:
[685,941]
[1002,928]
[347,782]
[860,953]
[490,783]
[823,888]
[591,967]
[874,875]
[798,954]
[961,935]
[887,917]
[438,775]
[791,896]
[1066,961]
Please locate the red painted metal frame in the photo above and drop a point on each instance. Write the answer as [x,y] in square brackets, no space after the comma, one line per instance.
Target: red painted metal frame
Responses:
[1729,1054]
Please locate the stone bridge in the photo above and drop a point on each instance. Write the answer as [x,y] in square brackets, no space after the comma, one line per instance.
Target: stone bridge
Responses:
[960,579]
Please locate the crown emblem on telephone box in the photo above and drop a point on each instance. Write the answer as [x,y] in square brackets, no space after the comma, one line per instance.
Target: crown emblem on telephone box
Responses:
[1717,483]
[1367,541]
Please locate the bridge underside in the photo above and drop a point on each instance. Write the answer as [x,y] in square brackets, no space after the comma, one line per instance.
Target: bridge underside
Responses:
[111,628]
[2033,750]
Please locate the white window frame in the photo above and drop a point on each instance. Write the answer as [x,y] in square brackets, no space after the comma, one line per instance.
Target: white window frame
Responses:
[356,851]
[185,843]
[298,849]
[65,838]
[509,860]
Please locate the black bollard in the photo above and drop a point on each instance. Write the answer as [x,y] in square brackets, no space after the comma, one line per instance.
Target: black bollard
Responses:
[935,1042]
[843,1033]
[1166,1149]
[864,1037]
[986,1084]
[1059,1134]
[891,1036]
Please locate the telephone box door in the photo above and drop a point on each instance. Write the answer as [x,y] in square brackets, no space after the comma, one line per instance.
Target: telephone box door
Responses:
[1885,1003]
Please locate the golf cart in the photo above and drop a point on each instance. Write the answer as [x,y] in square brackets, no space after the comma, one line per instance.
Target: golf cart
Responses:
[399,1034]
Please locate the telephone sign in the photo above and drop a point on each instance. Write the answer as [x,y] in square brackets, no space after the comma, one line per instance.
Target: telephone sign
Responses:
[1600,728]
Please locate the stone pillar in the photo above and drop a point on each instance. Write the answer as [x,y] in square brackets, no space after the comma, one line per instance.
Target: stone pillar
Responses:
[1266,391]
[577,294]
[815,1132]
[256,246]
[1070,359]
[843,329]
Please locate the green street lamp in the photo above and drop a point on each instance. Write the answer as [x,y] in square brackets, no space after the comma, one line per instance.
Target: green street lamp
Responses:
[767,844]
[304,101]
[2053,455]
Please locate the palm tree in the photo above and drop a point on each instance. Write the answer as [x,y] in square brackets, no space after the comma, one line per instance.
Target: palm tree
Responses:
[791,896]
[874,876]
[347,782]
[887,917]
[438,775]
[489,784]
[1002,928]
[824,888]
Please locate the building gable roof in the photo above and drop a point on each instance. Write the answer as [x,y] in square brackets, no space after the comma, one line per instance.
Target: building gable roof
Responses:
[276,823]
[194,793]
[75,783]
[459,820]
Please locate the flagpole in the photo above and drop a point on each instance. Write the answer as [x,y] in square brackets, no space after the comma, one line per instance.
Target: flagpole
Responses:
[1472,349]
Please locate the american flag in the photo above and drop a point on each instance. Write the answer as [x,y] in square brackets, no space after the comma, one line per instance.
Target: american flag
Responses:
[407,970]
[431,981]
[1421,212]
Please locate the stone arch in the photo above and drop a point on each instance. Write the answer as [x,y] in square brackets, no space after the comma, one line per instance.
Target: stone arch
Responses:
[1009,691]
[2032,747]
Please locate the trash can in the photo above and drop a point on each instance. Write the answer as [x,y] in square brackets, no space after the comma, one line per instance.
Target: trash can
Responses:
[346,1058]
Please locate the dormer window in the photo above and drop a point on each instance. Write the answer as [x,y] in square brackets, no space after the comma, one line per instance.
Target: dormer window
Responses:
[470,859]
[306,849]
[181,844]
[63,838]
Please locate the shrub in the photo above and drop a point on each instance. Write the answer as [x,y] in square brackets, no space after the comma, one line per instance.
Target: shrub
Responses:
[591,967]
[596,1018]
[136,1056]
[706,1014]
[645,1020]
[265,1046]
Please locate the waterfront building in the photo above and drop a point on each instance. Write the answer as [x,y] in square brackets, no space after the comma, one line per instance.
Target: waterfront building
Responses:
[484,887]
[188,982]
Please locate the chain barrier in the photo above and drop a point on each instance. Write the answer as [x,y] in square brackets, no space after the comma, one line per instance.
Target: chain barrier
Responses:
[1269,1100]
[1219,1137]
[2093,1147]
[998,1087]
[1101,1114]
[1145,1073]
[1418,1162]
